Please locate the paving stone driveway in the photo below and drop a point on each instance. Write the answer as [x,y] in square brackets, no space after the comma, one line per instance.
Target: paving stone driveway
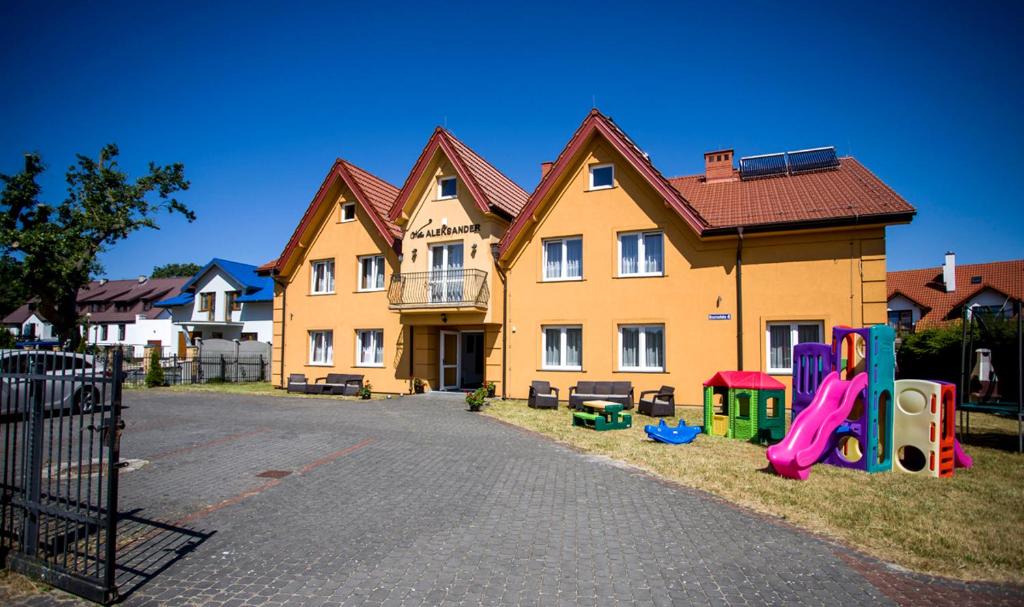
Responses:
[414,501]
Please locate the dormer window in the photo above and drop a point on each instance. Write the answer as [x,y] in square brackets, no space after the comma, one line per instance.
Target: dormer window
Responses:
[348,212]
[447,187]
[602,176]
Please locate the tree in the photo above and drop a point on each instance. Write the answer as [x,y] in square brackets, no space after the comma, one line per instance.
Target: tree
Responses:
[55,247]
[175,270]
[155,374]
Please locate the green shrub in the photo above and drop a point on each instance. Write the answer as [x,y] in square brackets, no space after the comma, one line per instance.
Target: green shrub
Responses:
[155,374]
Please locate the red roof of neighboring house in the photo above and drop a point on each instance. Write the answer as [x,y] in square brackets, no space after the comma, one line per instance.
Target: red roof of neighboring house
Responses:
[267,267]
[372,193]
[750,380]
[925,287]
[850,191]
[490,188]
[135,295]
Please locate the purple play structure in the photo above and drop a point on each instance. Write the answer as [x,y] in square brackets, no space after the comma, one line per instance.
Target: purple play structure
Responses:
[811,363]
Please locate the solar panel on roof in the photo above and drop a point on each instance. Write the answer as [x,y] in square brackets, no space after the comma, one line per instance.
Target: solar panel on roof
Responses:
[767,165]
[817,159]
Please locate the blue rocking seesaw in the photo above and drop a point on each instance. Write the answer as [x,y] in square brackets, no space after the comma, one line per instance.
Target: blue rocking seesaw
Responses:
[680,435]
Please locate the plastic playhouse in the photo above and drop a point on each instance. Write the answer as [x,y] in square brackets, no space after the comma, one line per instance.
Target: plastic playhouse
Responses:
[747,405]
[680,435]
[844,412]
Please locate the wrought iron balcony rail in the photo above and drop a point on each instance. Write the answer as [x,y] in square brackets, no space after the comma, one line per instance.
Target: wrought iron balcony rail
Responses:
[439,289]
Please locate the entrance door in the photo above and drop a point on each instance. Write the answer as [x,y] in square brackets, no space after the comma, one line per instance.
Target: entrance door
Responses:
[449,363]
[472,360]
[446,272]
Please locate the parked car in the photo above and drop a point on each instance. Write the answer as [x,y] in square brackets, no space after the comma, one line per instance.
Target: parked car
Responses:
[74,381]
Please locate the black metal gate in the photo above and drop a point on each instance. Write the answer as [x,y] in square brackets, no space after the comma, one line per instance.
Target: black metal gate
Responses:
[60,423]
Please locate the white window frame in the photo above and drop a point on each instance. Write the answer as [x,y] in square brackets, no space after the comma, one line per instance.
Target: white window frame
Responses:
[565,256]
[642,349]
[562,349]
[641,253]
[328,347]
[440,187]
[377,340]
[348,205]
[595,167]
[376,260]
[329,276]
[794,333]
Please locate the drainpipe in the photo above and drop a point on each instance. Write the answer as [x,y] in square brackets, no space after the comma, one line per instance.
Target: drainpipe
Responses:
[284,318]
[739,299]
[504,321]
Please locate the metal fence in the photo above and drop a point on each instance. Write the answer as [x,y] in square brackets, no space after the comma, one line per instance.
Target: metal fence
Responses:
[60,426]
[202,369]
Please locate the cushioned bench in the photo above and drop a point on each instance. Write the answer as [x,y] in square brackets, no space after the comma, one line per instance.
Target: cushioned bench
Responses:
[343,384]
[614,391]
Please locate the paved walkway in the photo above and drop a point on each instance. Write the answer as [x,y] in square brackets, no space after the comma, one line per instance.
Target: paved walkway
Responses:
[414,501]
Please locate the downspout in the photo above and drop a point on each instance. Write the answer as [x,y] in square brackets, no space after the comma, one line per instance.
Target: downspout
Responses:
[739,299]
[284,318]
[504,321]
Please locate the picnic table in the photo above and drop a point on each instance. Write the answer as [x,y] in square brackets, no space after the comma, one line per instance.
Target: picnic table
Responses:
[602,415]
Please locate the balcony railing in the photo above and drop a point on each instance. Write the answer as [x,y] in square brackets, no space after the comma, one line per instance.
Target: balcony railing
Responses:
[440,289]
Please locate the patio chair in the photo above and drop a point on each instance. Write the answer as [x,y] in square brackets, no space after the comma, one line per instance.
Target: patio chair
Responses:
[297,383]
[542,396]
[342,384]
[658,403]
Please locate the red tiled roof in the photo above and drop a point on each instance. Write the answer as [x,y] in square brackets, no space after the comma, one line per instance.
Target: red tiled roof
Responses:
[491,190]
[851,191]
[925,287]
[267,267]
[372,193]
[131,292]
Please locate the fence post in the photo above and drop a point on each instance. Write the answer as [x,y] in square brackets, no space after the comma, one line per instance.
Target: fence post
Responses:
[223,369]
[261,376]
[34,469]
[113,445]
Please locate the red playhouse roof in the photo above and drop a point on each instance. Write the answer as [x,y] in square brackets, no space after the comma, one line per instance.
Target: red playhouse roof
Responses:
[751,380]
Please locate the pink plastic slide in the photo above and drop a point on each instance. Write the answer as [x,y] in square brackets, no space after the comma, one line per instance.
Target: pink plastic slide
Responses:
[961,459]
[808,437]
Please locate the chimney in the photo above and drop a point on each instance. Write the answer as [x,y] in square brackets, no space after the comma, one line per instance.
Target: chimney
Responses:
[143,279]
[949,272]
[544,168]
[718,165]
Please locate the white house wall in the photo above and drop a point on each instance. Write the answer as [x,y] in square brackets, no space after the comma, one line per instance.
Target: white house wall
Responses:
[898,302]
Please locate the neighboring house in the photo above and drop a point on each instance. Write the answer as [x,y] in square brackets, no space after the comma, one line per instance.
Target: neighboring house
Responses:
[936,296]
[607,271]
[27,324]
[123,313]
[224,300]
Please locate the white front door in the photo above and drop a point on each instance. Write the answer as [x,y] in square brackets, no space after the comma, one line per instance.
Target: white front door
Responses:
[446,275]
[449,363]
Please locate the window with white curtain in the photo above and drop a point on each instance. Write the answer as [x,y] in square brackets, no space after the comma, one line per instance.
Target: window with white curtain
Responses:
[370,348]
[642,348]
[562,348]
[641,254]
[371,273]
[322,276]
[321,347]
[563,259]
[781,338]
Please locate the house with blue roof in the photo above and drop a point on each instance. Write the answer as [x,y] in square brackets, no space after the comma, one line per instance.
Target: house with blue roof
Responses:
[224,300]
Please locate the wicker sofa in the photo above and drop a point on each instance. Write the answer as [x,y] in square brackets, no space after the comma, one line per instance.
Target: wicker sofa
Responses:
[613,391]
[343,384]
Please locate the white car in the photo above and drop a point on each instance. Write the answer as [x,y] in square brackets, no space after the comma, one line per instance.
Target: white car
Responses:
[76,382]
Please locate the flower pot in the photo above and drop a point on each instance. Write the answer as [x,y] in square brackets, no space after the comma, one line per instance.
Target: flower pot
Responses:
[418,389]
[490,391]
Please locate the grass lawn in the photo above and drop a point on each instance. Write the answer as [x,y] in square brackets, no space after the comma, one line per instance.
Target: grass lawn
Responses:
[253,389]
[970,526]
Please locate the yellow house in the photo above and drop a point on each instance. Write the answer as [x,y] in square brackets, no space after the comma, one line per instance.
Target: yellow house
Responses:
[607,271]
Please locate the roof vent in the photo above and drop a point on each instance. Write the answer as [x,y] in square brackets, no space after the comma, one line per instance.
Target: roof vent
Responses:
[143,279]
[103,281]
[976,280]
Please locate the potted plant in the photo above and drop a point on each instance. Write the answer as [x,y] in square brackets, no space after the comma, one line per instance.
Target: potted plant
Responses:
[476,398]
[366,391]
[417,386]
[491,388]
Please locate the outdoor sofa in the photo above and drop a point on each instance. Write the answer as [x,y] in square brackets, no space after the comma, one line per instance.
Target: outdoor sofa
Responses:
[620,392]
[658,403]
[542,396]
[297,383]
[341,384]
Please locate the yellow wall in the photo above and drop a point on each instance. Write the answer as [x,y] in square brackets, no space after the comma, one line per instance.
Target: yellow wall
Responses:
[347,309]
[795,276]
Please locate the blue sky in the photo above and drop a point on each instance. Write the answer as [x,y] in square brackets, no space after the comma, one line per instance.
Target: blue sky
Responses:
[257,99]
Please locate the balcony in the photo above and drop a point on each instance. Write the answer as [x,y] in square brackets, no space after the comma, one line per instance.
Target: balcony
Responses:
[439,290]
